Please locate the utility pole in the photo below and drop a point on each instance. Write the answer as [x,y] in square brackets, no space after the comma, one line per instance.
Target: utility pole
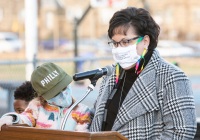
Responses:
[146,5]
[76,25]
[31,35]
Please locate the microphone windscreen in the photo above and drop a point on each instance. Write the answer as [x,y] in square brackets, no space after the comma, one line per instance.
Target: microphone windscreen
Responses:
[109,70]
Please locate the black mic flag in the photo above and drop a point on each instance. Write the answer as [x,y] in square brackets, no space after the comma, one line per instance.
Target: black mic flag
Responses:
[93,73]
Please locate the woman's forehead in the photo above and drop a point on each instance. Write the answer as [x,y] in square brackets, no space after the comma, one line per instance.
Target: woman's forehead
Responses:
[123,30]
[121,33]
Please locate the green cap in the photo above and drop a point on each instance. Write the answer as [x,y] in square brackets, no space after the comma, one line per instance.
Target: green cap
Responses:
[49,79]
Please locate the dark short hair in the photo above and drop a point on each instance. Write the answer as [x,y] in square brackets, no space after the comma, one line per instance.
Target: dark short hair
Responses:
[140,19]
[24,92]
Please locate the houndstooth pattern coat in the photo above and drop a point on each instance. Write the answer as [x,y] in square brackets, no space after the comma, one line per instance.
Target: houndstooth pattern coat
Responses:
[159,105]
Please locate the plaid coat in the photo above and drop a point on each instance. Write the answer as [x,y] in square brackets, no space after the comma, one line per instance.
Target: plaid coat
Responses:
[160,104]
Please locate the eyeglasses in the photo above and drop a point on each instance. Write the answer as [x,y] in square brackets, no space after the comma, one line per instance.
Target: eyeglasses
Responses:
[123,43]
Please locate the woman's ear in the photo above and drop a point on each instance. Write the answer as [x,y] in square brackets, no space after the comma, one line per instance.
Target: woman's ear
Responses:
[146,41]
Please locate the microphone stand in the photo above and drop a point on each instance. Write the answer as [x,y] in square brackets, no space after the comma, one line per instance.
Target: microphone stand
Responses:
[90,88]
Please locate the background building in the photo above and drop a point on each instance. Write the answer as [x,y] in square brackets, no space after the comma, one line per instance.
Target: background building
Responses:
[179,19]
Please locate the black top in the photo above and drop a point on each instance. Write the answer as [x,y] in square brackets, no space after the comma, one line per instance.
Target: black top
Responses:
[123,88]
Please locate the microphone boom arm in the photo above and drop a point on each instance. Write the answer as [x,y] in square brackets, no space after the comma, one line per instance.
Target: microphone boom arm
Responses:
[90,88]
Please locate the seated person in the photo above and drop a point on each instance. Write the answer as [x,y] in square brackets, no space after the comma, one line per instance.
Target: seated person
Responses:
[52,84]
[22,96]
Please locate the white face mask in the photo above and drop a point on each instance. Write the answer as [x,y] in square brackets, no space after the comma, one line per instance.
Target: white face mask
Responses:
[63,99]
[125,56]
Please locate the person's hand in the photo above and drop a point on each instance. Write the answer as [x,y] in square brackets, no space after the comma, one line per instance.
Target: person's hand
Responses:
[8,120]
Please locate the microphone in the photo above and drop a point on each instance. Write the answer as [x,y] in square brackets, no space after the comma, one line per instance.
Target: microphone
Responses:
[93,73]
